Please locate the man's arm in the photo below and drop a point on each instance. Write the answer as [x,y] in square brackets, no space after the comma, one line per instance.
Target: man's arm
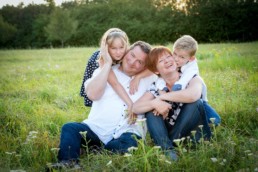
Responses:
[96,85]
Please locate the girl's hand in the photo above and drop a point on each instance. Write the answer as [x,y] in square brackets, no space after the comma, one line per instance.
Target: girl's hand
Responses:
[104,53]
[134,85]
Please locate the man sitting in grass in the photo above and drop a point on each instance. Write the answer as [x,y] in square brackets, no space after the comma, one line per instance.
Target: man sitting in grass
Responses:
[107,124]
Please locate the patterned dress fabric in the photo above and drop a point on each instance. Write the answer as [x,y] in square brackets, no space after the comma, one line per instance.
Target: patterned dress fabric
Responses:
[92,65]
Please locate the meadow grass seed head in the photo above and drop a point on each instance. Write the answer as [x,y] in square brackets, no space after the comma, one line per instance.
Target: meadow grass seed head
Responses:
[109,163]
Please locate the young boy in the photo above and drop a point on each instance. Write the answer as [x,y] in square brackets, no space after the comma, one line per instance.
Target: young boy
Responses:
[184,50]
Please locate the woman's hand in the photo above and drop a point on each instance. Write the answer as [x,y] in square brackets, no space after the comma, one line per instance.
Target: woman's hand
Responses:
[161,107]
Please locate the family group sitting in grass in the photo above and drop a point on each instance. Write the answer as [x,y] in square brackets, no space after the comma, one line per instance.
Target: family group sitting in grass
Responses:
[124,83]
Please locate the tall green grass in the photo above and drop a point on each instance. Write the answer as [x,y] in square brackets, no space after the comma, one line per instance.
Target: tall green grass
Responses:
[39,92]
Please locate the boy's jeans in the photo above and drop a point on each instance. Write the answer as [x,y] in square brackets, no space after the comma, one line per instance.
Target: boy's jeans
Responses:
[211,113]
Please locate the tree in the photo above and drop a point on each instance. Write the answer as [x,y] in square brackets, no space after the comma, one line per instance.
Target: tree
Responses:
[61,26]
[7,31]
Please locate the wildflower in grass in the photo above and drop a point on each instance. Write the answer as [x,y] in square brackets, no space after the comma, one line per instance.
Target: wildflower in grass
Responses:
[247,151]
[200,126]
[57,66]
[212,120]
[55,149]
[169,162]
[182,139]
[109,163]
[8,153]
[177,141]
[250,154]
[157,147]
[206,142]
[33,132]
[184,150]
[131,149]
[214,159]
[193,132]
[127,155]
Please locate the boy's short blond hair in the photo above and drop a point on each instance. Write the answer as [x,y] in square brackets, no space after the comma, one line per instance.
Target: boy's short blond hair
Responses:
[186,43]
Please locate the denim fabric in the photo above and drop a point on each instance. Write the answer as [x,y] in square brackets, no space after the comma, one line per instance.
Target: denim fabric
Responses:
[71,140]
[211,113]
[191,116]
[121,144]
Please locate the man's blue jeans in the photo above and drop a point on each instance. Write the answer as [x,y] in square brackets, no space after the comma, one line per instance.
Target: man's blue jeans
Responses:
[71,141]
[191,116]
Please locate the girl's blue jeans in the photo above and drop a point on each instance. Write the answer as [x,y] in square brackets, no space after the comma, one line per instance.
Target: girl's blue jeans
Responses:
[191,116]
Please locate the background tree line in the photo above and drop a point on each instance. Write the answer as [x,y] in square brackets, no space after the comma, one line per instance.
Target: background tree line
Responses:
[82,23]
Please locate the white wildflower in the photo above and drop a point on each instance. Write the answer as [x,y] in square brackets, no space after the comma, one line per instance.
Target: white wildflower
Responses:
[127,155]
[212,120]
[157,147]
[200,126]
[214,159]
[193,132]
[177,141]
[130,149]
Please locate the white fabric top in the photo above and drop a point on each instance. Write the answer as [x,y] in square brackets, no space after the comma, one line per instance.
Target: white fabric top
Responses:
[187,73]
[107,117]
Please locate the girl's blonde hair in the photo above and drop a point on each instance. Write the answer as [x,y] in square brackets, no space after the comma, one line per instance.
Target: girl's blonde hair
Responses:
[111,34]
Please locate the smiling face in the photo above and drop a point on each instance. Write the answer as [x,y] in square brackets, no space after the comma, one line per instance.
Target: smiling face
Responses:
[134,61]
[182,57]
[117,49]
[165,64]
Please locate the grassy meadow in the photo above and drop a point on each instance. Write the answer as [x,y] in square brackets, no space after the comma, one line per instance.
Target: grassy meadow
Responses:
[39,92]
